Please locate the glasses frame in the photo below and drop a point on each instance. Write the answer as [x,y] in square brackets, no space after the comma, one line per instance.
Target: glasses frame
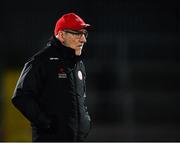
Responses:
[78,34]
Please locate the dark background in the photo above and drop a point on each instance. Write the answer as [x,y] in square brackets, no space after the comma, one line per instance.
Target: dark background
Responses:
[132,61]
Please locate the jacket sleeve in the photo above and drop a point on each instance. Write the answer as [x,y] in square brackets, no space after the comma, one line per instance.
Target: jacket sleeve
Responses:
[27,92]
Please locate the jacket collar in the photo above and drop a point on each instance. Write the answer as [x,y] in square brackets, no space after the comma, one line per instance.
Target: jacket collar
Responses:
[65,52]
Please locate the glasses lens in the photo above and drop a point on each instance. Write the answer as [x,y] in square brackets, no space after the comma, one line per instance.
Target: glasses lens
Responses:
[85,34]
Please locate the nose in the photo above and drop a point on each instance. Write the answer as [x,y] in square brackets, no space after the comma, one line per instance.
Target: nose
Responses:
[83,39]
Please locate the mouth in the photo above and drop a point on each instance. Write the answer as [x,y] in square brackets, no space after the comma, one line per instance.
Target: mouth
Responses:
[80,46]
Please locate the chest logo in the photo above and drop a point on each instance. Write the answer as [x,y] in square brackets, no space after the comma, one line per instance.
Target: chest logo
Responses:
[80,75]
[61,73]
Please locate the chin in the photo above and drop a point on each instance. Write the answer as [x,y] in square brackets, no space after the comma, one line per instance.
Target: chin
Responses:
[78,53]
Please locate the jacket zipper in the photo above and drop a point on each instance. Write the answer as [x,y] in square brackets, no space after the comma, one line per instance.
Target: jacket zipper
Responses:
[77,101]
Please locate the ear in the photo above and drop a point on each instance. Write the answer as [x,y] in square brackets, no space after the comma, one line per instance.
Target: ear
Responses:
[60,36]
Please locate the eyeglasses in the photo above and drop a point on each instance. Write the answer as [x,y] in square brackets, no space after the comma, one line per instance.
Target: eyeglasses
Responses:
[77,34]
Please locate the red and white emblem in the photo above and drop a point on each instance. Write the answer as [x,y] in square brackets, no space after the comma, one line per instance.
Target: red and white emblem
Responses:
[80,75]
[61,73]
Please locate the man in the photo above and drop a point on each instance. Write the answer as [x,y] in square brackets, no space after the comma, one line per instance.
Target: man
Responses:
[51,90]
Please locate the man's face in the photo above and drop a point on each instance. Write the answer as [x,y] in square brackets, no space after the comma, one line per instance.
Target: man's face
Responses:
[75,39]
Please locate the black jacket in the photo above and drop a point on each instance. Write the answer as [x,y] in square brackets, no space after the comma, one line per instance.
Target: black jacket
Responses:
[51,94]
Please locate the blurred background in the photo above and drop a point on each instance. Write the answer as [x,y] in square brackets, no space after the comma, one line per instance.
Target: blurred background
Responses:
[132,62]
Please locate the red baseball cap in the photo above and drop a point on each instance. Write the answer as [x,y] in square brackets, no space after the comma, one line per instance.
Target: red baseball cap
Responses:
[70,21]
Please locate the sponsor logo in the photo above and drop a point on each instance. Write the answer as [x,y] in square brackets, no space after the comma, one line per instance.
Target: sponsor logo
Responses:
[53,58]
[61,73]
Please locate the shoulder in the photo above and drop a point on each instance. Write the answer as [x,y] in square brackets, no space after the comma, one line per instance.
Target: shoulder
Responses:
[43,54]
